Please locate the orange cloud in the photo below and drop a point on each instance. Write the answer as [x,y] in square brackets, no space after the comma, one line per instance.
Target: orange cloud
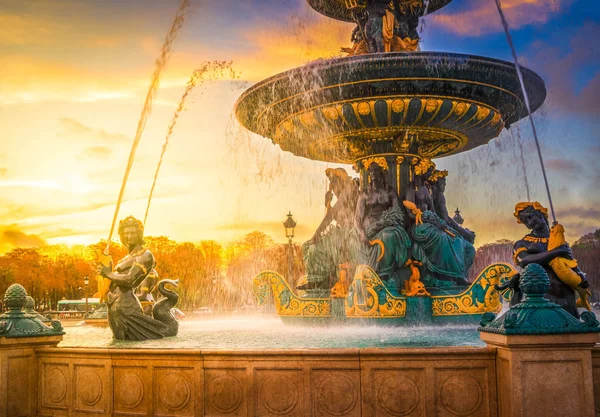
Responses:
[12,237]
[301,38]
[73,128]
[478,17]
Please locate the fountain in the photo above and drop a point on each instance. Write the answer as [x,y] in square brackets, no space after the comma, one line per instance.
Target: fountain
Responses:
[388,109]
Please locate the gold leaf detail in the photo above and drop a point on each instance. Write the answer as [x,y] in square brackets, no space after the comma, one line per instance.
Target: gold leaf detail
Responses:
[431,105]
[397,106]
[461,108]
[364,108]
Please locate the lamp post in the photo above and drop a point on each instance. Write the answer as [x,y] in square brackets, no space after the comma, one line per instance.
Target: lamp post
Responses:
[86,282]
[289,225]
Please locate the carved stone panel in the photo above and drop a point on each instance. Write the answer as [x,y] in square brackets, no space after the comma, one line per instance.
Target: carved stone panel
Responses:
[225,392]
[279,392]
[398,392]
[131,396]
[90,388]
[55,385]
[335,392]
[174,391]
[462,392]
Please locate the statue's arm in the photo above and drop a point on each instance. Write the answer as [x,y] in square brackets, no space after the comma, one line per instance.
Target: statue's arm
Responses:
[361,209]
[523,257]
[141,266]
[442,210]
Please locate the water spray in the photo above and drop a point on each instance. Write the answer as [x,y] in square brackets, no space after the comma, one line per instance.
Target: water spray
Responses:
[161,61]
[527,105]
[197,77]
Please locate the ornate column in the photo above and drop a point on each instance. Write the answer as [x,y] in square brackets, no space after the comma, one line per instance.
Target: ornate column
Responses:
[543,354]
[398,168]
[20,334]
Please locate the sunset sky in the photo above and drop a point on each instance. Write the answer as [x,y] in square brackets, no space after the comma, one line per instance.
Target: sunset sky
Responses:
[74,75]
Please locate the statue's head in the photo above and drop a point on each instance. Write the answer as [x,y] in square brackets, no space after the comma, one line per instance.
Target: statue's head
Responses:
[532,214]
[131,232]
[338,178]
[438,179]
[376,167]
[424,168]
[376,174]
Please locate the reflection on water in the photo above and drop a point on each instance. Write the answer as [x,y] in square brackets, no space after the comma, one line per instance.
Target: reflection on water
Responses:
[261,333]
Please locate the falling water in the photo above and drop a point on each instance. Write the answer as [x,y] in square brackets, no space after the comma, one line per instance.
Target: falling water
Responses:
[425,12]
[526,97]
[522,157]
[210,70]
[160,63]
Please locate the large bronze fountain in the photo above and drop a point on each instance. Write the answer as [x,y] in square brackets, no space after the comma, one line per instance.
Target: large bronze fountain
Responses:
[388,248]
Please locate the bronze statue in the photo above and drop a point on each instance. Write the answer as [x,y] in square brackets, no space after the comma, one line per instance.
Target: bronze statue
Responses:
[332,245]
[438,187]
[534,248]
[125,316]
[144,291]
[379,224]
[385,26]
[423,197]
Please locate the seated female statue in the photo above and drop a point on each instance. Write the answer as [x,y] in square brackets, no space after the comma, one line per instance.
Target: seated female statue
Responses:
[379,225]
[445,255]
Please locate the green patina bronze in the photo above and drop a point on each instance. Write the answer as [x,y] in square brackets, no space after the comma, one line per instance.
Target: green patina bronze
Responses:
[19,323]
[30,309]
[536,315]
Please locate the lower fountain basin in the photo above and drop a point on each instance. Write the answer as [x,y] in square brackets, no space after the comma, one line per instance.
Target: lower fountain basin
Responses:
[262,332]
[430,103]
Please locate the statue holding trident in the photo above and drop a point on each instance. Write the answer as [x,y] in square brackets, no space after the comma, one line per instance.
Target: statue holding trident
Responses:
[125,315]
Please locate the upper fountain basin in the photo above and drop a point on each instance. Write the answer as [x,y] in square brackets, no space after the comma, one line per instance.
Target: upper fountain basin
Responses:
[338,9]
[431,103]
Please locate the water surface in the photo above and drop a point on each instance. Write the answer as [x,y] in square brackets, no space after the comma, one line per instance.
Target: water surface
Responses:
[271,333]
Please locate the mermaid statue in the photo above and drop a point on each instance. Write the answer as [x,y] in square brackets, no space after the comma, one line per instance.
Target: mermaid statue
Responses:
[125,315]
[540,247]
[379,224]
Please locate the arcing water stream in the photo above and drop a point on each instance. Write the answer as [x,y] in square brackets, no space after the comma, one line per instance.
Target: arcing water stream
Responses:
[527,104]
[210,70]
[161,61]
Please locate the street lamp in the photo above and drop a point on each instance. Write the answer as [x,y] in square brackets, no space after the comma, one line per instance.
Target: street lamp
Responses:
[457,217]
[289,225]
[86,282]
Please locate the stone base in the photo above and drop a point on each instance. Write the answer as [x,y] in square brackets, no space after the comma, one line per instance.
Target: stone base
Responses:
[19,374]
[546,375]
[441,382]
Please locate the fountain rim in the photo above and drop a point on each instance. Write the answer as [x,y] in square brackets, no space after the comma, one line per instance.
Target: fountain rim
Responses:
[437,5]
[449,72]
[388,56]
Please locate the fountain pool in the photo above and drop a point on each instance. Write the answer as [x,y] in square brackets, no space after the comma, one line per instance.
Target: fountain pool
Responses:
[261,332]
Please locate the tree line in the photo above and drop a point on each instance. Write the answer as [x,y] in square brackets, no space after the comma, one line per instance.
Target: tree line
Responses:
[210,274]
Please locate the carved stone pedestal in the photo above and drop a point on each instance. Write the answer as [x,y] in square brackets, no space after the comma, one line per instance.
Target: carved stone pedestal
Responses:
[543,354]
[544,375]
[19,374]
